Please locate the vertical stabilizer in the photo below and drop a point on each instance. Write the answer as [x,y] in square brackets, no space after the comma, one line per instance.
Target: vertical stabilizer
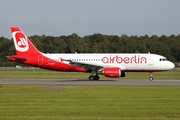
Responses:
[22,44]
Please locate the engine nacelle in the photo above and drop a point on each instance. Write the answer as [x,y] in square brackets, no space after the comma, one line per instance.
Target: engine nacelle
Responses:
[113,72]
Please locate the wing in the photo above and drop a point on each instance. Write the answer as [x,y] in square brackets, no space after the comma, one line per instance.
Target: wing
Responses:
[87,66]
[93,66]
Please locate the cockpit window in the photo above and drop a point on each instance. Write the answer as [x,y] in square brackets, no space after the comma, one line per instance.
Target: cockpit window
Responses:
[163,59]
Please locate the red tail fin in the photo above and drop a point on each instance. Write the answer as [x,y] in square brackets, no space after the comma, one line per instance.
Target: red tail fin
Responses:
[22,44]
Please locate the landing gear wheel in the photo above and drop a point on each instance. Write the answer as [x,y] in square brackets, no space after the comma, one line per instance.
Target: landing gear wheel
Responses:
[91,78]
[151,78]
[96,77]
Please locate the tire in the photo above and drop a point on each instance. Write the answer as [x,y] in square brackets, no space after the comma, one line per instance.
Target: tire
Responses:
[96,77]
[91,78]
[151,78]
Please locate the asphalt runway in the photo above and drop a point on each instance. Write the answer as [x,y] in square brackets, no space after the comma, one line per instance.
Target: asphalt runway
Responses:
[82,82]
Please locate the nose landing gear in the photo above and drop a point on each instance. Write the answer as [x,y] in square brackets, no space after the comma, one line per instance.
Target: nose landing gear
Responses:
[150,76]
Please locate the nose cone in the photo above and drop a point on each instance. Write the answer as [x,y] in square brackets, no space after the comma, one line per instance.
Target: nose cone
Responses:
[171,65]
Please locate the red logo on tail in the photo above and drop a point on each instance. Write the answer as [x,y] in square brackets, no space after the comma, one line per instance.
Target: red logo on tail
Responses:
[20,41]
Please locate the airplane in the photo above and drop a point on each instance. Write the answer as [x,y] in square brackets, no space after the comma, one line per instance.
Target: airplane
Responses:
[112,65]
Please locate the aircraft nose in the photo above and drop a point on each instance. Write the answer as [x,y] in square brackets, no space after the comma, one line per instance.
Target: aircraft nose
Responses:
[171,65]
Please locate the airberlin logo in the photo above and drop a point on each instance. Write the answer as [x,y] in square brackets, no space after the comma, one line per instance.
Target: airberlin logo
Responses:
[137,59]
[20,41]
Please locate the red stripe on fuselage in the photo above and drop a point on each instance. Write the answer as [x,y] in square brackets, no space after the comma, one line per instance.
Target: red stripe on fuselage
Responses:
[46,63]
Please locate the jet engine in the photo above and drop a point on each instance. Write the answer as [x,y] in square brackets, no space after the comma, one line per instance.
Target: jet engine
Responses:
[113,72]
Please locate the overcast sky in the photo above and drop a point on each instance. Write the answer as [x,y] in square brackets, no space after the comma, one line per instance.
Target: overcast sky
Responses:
[86,17]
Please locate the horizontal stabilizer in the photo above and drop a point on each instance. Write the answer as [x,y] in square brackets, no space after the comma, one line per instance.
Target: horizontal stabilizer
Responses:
[17,57]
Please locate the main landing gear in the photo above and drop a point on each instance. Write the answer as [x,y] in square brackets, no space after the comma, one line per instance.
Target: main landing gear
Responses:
[96,77]
[92,76]
[150,76]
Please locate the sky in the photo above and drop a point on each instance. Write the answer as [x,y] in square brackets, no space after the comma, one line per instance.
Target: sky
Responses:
[87,17]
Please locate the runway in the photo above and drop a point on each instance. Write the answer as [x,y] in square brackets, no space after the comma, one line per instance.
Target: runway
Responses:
[82,82]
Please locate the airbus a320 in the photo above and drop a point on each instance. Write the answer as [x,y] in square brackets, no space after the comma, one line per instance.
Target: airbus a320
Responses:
[112,65]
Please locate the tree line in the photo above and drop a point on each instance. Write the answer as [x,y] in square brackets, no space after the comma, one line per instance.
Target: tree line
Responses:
[168,46]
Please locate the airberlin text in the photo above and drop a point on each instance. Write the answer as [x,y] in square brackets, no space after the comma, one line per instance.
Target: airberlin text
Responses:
[137,59]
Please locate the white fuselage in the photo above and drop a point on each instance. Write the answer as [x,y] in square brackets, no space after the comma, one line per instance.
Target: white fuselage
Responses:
[127,62]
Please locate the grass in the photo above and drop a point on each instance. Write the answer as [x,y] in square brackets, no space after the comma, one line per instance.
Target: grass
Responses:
[19,102]
[39,73]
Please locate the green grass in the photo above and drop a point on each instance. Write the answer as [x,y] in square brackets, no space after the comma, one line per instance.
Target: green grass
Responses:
[19,102]
[39,73]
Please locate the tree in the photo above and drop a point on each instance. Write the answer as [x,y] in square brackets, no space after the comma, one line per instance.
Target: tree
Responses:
[167,46]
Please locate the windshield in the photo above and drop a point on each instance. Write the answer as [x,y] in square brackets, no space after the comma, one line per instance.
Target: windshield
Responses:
[163,59]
